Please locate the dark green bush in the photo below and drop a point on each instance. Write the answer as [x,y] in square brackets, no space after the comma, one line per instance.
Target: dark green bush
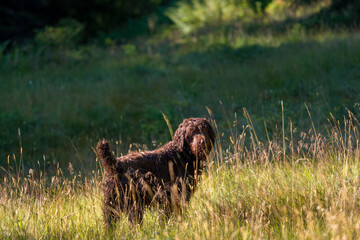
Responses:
[19,18]
[65,34]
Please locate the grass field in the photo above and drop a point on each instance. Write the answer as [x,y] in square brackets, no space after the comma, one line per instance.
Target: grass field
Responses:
[307,190]
[284,97]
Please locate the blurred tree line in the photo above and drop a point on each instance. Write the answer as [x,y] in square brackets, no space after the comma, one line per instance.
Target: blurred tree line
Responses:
[20,18]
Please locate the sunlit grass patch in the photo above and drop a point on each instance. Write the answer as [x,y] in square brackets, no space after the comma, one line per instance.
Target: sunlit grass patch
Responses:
[247,190]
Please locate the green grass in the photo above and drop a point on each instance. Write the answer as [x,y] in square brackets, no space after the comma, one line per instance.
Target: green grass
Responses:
[246,193]
[271,176]
[62,109]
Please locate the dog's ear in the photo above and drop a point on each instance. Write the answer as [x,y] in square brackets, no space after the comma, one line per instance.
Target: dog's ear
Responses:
[180,136]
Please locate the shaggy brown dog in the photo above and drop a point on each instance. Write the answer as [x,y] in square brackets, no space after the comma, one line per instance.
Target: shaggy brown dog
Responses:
[164,177]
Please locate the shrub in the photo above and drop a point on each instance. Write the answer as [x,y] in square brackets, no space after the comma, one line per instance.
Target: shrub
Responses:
[194,14]
[65,34]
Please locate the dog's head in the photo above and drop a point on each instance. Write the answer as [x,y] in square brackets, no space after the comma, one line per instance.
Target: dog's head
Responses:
[196,136]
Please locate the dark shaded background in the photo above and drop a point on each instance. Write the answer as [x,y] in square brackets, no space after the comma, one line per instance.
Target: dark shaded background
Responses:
[21,18]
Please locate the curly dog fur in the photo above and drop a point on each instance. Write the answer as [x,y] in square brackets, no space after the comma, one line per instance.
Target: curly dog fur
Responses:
[165,177]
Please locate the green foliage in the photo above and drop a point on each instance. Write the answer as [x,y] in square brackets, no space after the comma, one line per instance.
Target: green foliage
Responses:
[20,18]
[129,49]
[3,46]
[67,33]
[192,15]
[278,8]
[124,19]
[259,5]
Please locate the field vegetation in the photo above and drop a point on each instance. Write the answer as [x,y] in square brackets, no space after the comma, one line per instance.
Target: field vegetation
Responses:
[280,82]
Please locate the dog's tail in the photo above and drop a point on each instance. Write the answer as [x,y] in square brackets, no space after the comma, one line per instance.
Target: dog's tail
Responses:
[106,157]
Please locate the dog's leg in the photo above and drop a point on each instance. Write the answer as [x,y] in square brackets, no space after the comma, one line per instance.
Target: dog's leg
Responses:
[111,213]
[136,214]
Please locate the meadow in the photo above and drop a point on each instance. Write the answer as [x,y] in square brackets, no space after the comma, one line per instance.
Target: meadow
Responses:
[283,96]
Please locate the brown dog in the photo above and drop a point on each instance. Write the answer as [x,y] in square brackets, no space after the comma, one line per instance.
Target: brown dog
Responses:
[163,177]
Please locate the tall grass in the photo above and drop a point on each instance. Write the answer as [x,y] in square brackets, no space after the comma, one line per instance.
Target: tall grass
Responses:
[249,190]
[278,174]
